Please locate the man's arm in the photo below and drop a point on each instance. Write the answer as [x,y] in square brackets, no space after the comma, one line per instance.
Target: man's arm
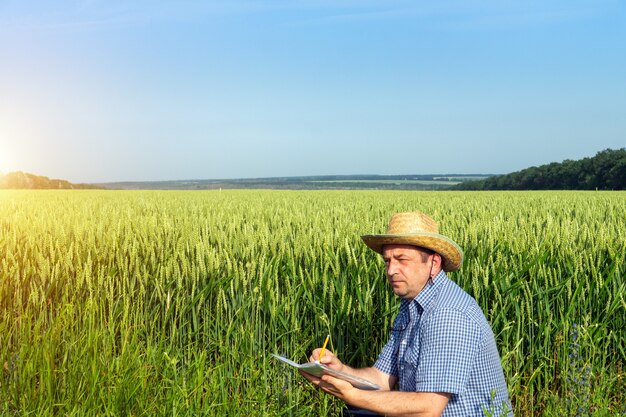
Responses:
[396,403]
[388,403]
[385,401]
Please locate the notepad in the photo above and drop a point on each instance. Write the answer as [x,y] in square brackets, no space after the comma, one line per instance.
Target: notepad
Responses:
[319,369]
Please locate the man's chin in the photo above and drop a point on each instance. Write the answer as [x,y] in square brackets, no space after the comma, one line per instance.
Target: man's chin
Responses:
[399,292]
[403,293]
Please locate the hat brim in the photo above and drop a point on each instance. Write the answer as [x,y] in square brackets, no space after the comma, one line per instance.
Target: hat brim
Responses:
[449,251]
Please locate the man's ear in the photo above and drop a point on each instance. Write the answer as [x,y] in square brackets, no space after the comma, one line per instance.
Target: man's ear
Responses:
[437,264]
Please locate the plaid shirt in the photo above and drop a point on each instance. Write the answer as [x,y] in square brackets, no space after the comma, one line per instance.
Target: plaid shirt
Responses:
[441,342]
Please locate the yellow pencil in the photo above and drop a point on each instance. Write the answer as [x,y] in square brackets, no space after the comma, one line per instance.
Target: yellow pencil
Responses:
[324,347]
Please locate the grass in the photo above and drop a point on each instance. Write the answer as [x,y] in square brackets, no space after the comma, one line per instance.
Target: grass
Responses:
[168,303]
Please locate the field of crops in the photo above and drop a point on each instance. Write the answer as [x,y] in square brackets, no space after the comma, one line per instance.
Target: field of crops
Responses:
[169,302]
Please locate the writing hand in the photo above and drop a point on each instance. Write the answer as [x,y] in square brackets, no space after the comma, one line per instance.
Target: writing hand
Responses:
[329,359]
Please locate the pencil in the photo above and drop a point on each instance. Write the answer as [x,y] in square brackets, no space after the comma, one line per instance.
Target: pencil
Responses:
[324,347]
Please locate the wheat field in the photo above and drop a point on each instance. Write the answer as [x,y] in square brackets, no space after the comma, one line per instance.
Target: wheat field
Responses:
[142,303]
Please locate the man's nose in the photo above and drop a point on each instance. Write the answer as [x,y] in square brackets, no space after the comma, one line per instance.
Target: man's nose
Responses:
[391,268]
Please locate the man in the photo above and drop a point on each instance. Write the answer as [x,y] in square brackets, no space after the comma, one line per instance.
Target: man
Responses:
[441,353]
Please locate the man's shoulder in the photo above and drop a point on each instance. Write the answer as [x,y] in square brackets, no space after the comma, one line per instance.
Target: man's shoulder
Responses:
[451,295]
[452,298]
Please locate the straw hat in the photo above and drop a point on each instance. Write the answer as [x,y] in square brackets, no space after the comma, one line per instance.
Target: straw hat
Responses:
[415,228]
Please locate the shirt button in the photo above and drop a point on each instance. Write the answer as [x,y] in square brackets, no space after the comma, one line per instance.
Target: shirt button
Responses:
[404,341]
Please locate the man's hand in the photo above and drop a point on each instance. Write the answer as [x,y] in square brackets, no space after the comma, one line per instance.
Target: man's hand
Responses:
[328,383]
[329,359]
[333,386]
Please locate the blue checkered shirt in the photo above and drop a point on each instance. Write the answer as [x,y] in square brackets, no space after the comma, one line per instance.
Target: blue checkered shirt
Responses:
[441,342]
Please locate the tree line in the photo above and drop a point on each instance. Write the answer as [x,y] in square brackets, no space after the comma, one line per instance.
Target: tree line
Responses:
[24,180]
[605,171]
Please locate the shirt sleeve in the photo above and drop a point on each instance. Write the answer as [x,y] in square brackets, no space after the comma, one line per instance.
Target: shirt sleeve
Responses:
[450,344]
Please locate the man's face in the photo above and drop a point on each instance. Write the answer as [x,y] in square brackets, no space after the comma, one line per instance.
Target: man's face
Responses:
[408,269]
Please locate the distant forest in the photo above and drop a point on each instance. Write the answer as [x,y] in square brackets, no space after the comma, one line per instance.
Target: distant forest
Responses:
[605,171]
[23,180]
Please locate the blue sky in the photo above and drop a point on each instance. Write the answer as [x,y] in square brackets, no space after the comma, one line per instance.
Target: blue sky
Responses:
[96,91]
